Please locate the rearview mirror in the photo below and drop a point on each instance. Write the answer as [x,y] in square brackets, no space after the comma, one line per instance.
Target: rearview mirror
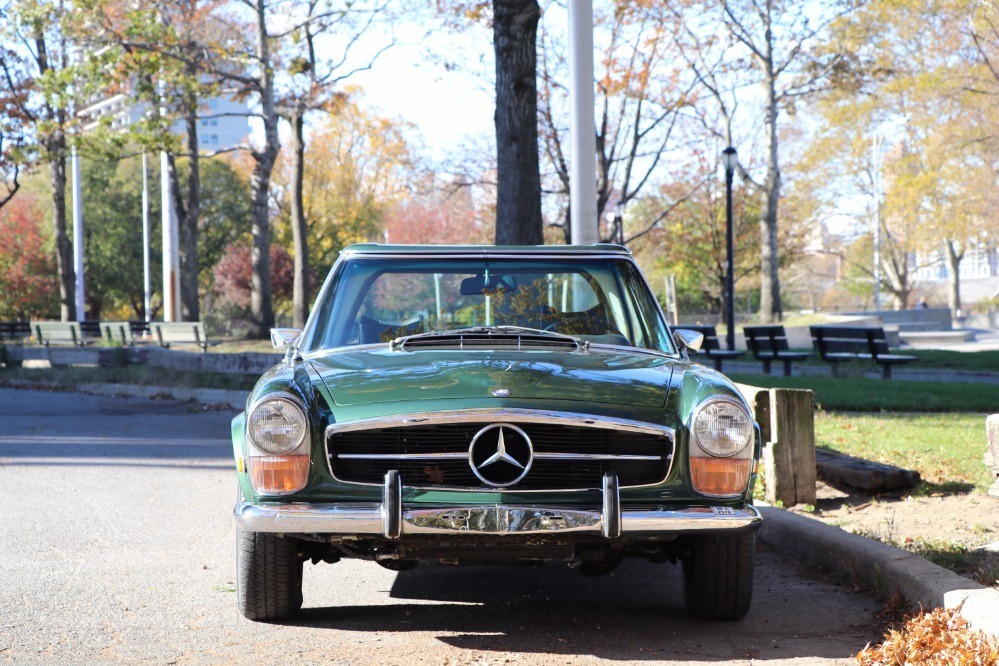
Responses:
[479,285]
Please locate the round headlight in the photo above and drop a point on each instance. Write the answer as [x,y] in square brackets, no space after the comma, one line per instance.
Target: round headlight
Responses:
[722,428]
[277,426]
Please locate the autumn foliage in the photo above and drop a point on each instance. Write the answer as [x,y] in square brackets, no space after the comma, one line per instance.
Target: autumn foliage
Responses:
[936,638]
[233,274]
[28,285]
[449,219]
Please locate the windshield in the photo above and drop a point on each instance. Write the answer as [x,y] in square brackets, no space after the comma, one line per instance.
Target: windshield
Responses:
[374,300]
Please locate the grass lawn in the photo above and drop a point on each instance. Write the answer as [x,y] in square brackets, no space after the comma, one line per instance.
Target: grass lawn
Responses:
[980,361]
[946,448]
[227,346]
[929,359]
[873,395]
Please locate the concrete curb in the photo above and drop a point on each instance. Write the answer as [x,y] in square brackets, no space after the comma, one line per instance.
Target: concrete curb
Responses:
[887,570]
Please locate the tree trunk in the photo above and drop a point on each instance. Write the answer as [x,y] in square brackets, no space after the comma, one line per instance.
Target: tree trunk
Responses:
[898,282]
[56,149]
[953,275]
[261,308]
[518,196]
[770,305]
[300,306]
[188,214]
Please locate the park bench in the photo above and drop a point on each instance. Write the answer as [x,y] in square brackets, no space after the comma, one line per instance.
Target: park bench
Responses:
[119,332]
[58,333]
[14,330]
[768,344]
[181,333]
[90,328]
[839,344]
[711,347]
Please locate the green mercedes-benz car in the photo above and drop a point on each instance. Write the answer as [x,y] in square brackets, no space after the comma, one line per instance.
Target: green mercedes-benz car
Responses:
[473,405]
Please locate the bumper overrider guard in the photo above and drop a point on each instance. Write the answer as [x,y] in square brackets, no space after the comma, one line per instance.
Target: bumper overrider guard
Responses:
[392,520]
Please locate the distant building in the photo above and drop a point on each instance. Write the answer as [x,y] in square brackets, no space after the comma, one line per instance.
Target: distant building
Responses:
[223,121]
[978,271]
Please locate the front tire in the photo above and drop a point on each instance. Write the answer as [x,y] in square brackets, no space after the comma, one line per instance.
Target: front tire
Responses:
[269,576]
[718,576]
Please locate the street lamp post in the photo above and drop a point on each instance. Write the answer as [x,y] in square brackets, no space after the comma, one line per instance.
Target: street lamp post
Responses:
[876,175]
[730,158]
[146,281]
[619,222]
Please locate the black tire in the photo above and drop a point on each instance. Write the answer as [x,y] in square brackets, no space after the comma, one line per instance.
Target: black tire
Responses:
[269,576]
[718,576]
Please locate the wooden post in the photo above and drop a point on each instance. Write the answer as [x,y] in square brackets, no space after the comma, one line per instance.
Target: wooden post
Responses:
[992,434]
[787,429]
[789,457]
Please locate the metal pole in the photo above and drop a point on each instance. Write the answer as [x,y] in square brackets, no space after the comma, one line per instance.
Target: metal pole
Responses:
[78,236]
[877,223]
[729,260]
[583,164]
[146,279]
[171,259]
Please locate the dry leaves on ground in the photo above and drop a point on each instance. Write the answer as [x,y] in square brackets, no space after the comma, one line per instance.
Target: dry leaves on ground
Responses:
[934,639]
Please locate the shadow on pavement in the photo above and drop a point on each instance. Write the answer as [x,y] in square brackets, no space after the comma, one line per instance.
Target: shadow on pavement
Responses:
[637,612]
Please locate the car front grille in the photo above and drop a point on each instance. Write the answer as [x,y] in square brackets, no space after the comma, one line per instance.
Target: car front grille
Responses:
[565,457]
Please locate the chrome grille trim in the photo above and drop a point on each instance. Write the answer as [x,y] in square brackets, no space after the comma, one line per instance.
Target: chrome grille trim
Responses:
[400,456]
[507,416]
[502,415]
[464,456]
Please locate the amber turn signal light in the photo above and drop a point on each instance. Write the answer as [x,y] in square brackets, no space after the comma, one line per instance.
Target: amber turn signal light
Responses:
[720,476]
[278,474]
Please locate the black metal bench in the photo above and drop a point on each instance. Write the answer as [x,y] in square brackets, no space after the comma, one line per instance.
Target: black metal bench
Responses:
[14,330]
[768,344]
[90,328]
[711,347]
[840,344]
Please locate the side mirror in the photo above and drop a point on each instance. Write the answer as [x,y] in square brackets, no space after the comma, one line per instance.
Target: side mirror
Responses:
[282,338]
[691,340]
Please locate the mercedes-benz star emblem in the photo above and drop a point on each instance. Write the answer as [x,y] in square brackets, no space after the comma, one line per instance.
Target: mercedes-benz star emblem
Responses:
[500,455]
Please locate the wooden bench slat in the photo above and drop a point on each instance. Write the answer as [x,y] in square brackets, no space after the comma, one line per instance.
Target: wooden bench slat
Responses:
[118,332]
[57,332]
[181,332]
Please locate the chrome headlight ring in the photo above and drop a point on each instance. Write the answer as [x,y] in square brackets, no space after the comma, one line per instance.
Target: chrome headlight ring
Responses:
[277,423]
[738,431]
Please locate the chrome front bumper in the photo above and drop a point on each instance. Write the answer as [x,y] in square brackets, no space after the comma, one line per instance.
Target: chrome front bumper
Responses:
[392,520]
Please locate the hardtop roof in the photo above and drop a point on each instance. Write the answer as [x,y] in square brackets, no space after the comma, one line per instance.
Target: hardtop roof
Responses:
[492,250]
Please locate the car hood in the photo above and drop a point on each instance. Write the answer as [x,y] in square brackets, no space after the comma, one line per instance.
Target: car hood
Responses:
[378,374]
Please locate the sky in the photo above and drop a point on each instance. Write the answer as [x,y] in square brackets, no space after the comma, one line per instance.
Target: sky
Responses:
[434,79]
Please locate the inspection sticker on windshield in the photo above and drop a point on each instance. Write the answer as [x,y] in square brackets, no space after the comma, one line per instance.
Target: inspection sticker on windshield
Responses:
[723,511]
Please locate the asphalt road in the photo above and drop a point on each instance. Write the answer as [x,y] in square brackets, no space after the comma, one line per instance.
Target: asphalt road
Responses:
[117,546]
